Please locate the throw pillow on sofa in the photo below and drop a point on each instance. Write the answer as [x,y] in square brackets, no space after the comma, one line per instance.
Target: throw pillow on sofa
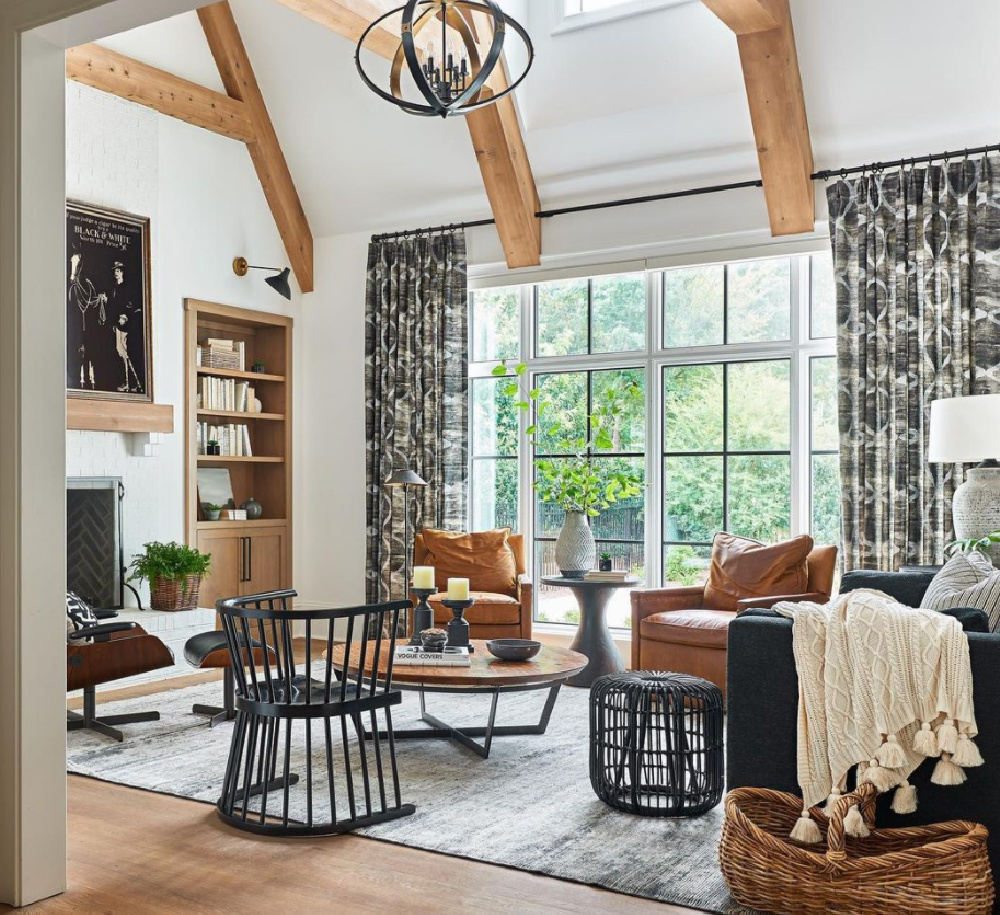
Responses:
[967,580]
[484,557]
[748,568]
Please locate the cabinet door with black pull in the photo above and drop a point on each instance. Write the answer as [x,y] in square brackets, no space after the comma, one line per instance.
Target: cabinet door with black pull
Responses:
[225,574]
[263,561]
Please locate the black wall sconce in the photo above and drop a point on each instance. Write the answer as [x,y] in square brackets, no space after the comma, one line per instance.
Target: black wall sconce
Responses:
[278,283]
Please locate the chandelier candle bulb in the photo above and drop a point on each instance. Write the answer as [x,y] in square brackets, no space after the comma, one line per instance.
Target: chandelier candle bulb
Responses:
[423,577]
[458,589]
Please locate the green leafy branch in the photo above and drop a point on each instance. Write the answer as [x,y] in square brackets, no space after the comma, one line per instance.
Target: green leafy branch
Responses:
[974,544]
[576,483]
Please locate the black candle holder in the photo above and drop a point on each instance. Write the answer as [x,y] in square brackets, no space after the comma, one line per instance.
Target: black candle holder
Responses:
[458,627]
[423,615]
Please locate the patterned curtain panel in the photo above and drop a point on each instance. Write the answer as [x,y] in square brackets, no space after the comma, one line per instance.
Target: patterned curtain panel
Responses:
[416,395]
[917,263]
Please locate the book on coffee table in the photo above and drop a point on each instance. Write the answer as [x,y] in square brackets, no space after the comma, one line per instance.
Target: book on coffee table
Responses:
[415,656]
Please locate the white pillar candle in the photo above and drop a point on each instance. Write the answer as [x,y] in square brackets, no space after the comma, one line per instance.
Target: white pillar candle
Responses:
[423,577]
[458,589]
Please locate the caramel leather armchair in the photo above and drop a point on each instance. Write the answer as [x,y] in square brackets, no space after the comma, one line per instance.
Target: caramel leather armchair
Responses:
[672,630]
[494,615]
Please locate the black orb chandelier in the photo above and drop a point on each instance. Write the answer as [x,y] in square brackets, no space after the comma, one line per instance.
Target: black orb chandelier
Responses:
[453,77]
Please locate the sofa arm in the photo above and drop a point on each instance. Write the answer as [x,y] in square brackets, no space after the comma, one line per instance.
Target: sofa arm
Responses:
[525,596]
[765,603]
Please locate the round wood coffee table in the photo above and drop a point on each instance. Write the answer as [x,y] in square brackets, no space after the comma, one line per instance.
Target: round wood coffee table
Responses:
[549,669]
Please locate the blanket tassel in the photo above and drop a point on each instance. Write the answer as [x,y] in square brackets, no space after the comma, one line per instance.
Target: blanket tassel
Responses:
[967,754]
[925,742]
[905,799]
[946,772]
[831,802]
[854,824]
[806,830]
[883,779]
[947,736]
[891,755]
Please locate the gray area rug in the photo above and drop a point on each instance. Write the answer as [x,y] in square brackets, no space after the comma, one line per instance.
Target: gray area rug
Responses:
[529,806]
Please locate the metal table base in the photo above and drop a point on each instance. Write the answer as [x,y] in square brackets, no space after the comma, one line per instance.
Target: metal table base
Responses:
[441,730]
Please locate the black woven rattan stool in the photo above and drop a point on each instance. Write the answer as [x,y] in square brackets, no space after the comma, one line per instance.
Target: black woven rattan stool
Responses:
[656,743]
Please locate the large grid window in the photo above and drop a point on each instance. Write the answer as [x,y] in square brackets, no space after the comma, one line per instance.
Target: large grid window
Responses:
[736,429]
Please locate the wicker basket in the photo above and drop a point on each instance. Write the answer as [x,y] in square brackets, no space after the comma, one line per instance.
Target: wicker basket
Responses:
[922,870]
[169,594]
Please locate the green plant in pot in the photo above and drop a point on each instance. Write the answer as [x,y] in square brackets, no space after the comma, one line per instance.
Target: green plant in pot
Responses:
[604,562]
[212,512]
[577,481]
[174,572]
[212,448]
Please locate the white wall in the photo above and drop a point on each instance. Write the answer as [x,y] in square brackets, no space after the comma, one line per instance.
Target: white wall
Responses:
[206,206]
[330,550]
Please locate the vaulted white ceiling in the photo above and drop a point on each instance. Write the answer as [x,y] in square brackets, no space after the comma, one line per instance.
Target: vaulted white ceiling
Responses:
[643,104]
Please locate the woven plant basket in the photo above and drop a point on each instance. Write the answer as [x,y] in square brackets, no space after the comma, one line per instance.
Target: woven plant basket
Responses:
[942,869]
[169,594]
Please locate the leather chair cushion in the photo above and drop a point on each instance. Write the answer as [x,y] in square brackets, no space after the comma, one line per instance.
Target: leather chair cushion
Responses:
[484,557]
[207,649]
[747,568]
[491,609]
[700,628]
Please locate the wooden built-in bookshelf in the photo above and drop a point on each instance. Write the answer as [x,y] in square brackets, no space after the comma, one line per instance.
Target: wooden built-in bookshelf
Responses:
[247,556]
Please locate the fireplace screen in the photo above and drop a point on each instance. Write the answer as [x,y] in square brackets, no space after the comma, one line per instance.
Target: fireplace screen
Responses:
[93,540]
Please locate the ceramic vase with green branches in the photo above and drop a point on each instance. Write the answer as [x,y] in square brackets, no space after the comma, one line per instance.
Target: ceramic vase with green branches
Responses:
[575,482]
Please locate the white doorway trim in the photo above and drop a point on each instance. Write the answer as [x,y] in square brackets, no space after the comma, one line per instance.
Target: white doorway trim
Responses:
[32,429]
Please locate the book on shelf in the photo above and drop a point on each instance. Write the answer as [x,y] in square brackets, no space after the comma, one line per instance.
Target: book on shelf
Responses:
[226,394]
[416,656]
[233,439]
[614,575]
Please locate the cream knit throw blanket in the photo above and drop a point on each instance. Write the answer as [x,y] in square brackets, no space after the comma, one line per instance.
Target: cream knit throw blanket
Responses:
[881,687]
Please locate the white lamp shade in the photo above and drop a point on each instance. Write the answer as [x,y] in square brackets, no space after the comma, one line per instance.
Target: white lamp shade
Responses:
[965,430]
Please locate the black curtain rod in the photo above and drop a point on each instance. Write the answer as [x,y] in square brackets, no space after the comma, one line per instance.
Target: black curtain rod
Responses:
[824,175]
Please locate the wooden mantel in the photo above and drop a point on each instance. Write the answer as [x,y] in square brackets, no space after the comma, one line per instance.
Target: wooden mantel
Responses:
[118,416]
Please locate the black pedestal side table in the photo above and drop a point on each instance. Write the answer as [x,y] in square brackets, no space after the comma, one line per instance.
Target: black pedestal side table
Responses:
[592,636]
[656,743]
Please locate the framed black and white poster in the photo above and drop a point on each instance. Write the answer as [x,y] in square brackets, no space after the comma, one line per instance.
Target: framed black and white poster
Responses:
[108,309]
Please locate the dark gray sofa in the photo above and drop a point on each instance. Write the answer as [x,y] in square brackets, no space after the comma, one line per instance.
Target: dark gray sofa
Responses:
[763,702]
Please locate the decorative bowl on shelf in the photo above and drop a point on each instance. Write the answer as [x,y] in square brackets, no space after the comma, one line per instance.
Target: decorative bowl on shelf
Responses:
[513,649]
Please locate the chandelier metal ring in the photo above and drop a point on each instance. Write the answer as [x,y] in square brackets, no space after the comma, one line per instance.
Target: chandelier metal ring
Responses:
[449,88]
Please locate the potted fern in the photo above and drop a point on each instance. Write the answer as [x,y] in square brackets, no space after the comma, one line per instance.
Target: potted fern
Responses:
[174,572]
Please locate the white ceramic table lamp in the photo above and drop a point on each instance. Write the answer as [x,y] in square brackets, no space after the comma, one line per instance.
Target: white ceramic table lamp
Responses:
[966,430]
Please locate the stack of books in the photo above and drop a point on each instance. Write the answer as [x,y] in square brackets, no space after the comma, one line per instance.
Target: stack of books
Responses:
[613,576]
[226,394]
[215,353]
[233,439]
[415,656]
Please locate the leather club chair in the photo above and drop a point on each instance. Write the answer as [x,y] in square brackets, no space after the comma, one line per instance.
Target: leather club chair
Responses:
[673,630]
[494,615]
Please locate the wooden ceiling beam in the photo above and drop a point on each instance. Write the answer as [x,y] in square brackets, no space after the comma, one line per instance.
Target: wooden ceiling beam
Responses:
[495,130]
[745,17]
[116,74]
[350,18]
[777,109]
[237,74]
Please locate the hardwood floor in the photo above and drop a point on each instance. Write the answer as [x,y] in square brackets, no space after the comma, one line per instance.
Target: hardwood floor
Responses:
[136,853]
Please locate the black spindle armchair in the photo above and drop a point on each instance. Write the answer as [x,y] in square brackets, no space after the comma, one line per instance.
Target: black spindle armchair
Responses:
[279,712]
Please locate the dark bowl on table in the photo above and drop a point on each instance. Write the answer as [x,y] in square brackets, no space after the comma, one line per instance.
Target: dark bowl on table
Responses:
[513,649]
